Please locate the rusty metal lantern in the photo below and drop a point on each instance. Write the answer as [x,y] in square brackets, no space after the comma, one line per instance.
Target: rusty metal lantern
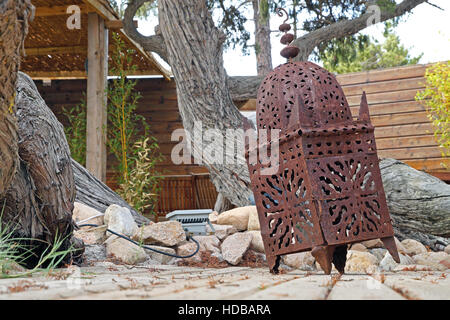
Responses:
[327,192]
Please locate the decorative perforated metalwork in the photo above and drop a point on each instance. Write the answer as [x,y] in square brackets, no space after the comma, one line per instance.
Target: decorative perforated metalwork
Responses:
[327,191]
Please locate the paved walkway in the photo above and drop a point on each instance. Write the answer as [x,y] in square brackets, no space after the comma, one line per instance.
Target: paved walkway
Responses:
[109,281]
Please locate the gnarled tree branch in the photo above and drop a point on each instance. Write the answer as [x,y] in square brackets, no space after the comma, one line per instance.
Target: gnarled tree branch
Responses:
[346,28]
[153,43]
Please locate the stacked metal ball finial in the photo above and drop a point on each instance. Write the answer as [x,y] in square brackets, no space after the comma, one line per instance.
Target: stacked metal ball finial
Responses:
[290,51]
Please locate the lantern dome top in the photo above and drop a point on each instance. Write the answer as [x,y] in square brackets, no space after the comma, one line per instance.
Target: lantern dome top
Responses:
[301,94]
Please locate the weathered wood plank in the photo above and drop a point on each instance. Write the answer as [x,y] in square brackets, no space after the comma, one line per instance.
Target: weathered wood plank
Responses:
[434,286]
[96,96]
[381,75]
[362,287]
[410,153]
[384,86]
[400,118]
[402,142]
[384,97]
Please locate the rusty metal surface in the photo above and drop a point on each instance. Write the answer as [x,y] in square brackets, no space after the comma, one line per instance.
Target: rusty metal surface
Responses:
[327,192]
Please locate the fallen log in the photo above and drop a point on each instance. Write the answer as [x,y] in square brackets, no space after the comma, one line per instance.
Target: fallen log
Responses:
[419,203]
[95,194]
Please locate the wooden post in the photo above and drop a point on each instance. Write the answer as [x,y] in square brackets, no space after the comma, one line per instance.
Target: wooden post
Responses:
[96,96]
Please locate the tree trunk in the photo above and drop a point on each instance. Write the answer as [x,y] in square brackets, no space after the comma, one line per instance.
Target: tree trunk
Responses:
[95,194]
[194,47]
[419,203]
[263,47]
[39,203]
[222,204]
[13,29]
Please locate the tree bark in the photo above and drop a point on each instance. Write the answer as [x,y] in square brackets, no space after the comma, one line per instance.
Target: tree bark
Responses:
[14,17]
[194,47]
[263,48]
[39,203]
[222,204]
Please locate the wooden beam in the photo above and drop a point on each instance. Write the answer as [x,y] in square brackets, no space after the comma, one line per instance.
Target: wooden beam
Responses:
[71,75]
[107,13]
[118,24]
[57,10]
[103,9]
[96,96]
[55,50]
[56,75]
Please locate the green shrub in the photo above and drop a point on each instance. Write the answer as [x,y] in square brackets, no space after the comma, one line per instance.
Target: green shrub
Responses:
[142,187]
[436,98]
[76,131]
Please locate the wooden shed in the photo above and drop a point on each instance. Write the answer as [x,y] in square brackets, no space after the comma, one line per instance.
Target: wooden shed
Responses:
[70,39]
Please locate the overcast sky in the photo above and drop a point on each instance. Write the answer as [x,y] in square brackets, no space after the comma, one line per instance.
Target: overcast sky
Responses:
[425,30]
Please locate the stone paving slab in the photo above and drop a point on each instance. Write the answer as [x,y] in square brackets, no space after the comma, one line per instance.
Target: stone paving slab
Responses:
[362,287]
[109,281]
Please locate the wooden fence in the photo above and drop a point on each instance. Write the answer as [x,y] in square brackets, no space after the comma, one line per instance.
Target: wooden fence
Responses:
[403,130]
[186,192]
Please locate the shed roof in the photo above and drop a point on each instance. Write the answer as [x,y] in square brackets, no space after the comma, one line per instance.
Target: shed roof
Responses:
[53,51]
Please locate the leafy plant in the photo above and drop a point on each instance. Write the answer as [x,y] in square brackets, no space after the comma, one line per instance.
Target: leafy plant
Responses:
[14,252]
[76,131]
[142,187]
[133,153]
[123,121]
[436,97]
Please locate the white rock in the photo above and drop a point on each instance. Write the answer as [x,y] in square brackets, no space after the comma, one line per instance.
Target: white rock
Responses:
[213,216]
[447,249]
[359,247]
[162,258]
[208,243]
[237,217]
[221,231]
[187,248]
[413,247]
[235,246]
[125,251]
[253,221]
[257,243]
[302,260]
[388,263]
[91,235]
[82,212]
[439,261]
[120,220]
[375,243]
[361,262]
[400,247]
[379,253]
[167,233]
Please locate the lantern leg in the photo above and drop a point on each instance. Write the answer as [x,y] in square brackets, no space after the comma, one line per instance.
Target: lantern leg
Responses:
[274,263]
[389,244]
[324,256]
[340,258]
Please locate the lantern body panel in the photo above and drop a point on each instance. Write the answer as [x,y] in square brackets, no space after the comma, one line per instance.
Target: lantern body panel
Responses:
[326,189]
